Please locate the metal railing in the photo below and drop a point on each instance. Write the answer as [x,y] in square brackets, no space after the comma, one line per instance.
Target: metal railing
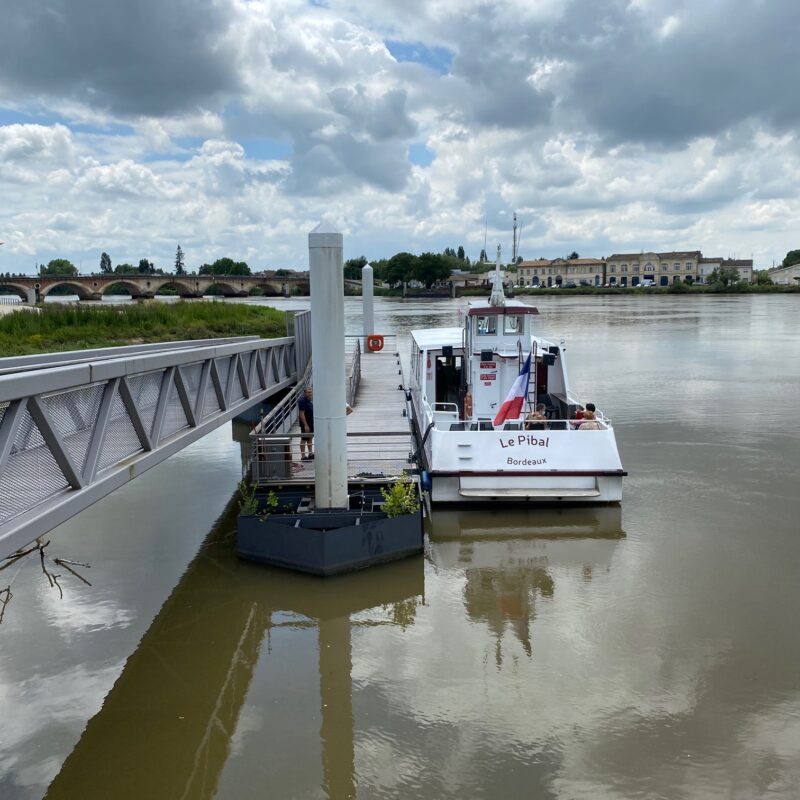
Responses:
[377,458]
[354,376]
[74,432]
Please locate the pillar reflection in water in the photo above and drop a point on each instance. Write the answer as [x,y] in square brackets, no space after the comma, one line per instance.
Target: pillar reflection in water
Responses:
[509,558]
[165,729]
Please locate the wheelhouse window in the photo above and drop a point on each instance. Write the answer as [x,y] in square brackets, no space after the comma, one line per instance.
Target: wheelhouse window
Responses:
[512,324]
[487,326]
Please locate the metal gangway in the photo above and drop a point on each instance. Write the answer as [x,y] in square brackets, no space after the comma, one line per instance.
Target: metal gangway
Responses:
[379,440]
[75,426]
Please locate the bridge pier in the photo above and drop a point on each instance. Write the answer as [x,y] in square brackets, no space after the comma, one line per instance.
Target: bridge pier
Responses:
[32,296]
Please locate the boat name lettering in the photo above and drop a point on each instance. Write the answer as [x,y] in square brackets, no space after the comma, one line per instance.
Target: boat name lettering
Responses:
[488,365]
[524,439]
[489,376]
[526,462]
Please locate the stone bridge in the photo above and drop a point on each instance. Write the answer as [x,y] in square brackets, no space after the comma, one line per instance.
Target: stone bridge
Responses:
[34,288]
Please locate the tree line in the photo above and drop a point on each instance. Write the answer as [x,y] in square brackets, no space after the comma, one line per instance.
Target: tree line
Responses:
[427,268]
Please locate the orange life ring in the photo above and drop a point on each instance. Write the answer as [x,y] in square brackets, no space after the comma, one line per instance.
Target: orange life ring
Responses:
[468,405]
[374,342]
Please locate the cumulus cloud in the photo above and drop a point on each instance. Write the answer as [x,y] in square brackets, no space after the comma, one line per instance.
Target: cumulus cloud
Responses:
[605,124]
[146,57]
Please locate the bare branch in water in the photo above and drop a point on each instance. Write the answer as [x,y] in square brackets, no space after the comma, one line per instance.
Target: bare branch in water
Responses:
[5,599]
[66,564]
[52,577]
[14,557]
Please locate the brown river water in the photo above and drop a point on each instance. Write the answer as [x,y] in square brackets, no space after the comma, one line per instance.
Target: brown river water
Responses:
[645,651]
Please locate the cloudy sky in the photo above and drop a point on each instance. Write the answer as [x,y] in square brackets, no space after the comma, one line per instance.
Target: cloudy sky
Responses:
[231,127]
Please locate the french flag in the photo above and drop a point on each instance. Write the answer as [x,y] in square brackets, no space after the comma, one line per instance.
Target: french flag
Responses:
[512,406]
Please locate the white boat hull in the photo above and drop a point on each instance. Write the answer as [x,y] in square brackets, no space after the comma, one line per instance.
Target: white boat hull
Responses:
[544,467]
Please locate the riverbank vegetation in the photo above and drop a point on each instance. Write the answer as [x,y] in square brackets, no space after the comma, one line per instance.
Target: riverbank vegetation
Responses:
[74,327]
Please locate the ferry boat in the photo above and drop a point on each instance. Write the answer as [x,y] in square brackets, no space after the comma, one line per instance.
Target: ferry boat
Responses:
[470,449]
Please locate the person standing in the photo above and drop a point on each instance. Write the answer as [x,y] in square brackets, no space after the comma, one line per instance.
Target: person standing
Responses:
[305,408]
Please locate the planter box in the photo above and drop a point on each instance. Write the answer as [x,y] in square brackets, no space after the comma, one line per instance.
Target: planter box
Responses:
[330,542]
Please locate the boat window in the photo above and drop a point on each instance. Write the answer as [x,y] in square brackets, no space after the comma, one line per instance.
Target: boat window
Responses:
[512,323]
[487,326]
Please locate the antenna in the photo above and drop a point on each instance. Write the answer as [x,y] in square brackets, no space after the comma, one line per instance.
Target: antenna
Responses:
[485,229]
[514,241]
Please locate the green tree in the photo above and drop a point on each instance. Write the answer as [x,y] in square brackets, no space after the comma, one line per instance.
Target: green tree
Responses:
[482,258]
[59,266]
[763,278]
[432,267]
[282,273]
[460,254]
[225,266]
[572,256]
[146,267]
[105,264]
[125,269]
[353,267]
[792,258]
[724,277]
[400,268]
[179,262]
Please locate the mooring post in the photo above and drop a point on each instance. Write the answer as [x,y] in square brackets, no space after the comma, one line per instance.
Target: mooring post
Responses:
[366,301]
[327,359]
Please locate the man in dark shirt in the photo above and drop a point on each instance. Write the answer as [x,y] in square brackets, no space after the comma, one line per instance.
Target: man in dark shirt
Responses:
[305,407]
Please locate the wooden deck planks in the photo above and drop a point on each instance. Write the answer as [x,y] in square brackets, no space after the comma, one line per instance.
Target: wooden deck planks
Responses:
[377,411]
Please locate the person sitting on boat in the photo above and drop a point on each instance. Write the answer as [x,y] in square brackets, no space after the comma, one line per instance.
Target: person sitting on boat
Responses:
[535,421]
[590,422]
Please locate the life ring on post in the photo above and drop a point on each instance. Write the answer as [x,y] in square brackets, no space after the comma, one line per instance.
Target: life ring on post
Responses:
[374,342]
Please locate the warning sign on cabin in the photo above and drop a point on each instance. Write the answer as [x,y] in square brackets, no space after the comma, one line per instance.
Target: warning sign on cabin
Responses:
[488,365]
[489,376]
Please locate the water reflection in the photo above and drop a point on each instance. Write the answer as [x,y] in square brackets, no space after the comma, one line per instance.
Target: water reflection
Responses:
[509,559]
[167,727]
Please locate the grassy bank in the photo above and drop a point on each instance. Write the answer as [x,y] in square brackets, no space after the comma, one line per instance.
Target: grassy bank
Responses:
[75,327]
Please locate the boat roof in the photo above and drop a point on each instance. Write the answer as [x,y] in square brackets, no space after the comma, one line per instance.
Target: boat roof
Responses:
[483,308]
[434,338]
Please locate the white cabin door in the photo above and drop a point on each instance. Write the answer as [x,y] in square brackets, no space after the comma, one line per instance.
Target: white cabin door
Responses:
[486,389]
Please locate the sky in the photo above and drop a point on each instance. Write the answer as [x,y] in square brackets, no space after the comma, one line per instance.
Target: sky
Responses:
[231,127]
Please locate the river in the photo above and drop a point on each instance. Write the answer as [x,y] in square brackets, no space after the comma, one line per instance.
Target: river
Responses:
[647,651]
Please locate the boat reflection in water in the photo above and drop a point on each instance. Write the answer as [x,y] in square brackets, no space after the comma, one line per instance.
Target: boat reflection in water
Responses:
[172,722]
[509,558]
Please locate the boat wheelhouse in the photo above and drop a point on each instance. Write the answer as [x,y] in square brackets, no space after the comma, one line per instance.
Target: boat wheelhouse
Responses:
[459,379]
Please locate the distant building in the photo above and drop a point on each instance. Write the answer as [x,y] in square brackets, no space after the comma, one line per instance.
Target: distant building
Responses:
[785,276]
[561,272]
[663,269]
[629,269]
[744,266]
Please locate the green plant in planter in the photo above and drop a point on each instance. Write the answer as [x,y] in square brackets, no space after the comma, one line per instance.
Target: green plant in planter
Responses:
[400,498]
[249,503]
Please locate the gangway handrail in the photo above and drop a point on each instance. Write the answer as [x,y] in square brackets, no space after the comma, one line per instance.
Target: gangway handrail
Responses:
[72,433]
[46,360]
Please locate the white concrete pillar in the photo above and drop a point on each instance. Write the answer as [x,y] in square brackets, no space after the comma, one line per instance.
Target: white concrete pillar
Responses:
[367,303]
[326,274]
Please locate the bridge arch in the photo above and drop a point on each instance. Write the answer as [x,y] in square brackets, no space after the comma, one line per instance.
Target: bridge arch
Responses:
[131,288]
[21,291]
[78,289]
[223,288]
[184,289]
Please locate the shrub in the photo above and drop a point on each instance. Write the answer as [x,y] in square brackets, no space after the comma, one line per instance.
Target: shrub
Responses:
[400,498]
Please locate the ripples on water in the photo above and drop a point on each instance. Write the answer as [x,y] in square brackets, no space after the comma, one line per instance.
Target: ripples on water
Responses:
[647,651]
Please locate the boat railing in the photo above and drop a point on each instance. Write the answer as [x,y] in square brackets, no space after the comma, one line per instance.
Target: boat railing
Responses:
[445,414]
[486,425]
